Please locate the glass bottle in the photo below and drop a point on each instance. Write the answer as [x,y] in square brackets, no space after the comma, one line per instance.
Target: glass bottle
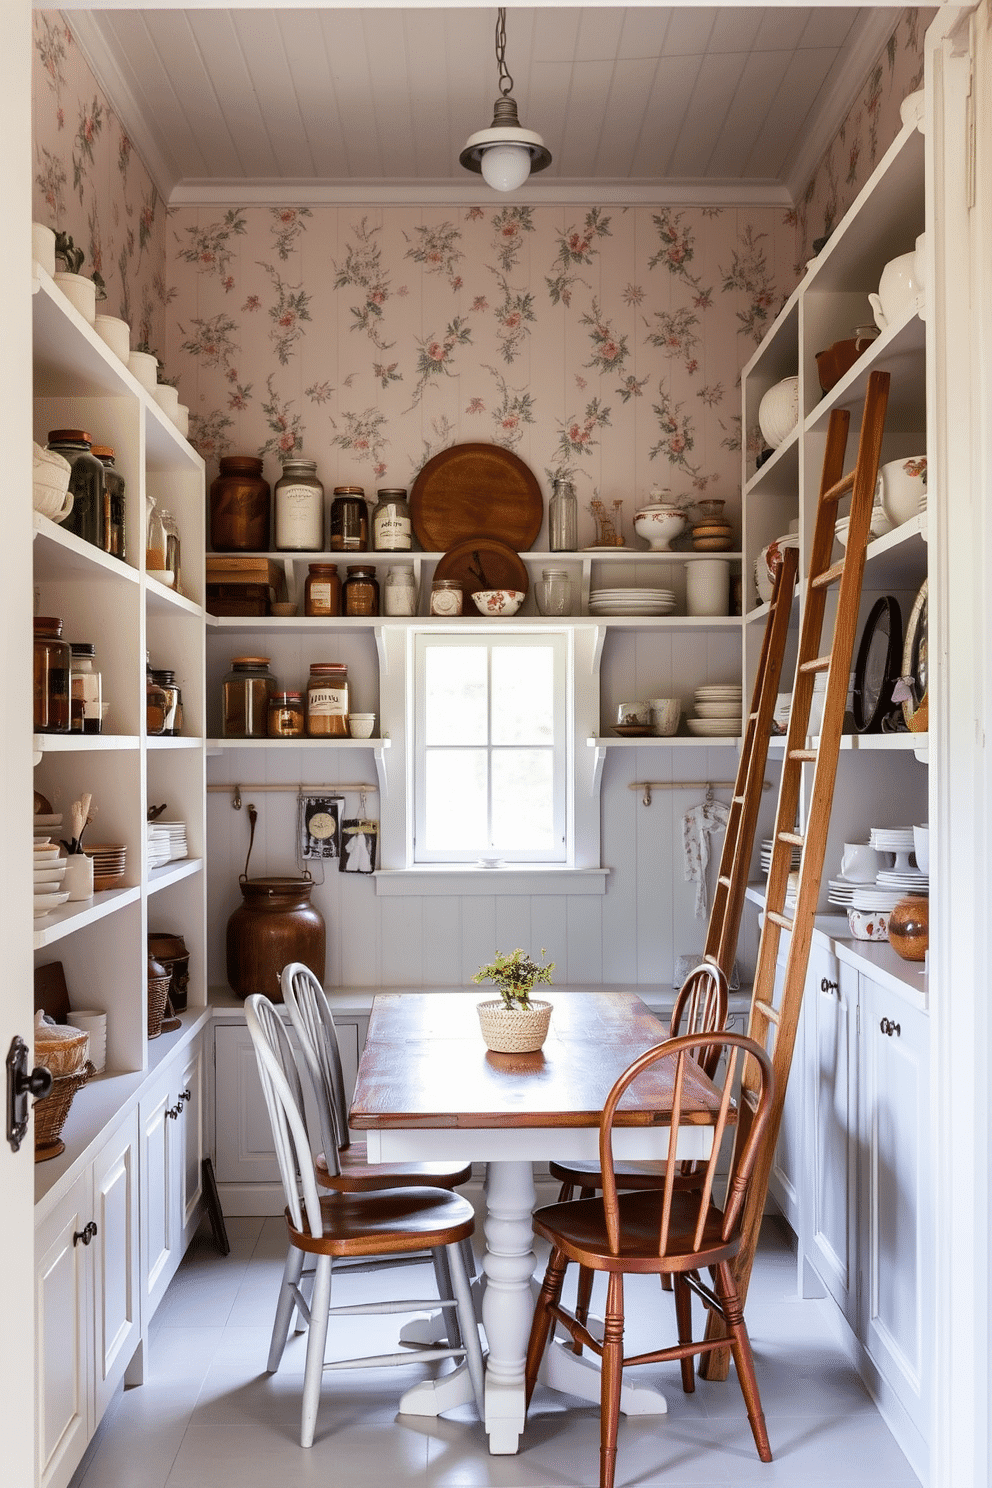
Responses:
[165,678]
[173,549]
[155,542]
[327,699]
[563,518]
[299,507]
[246,692]
[322,590]
[86,519]
[114,503]
[446,597]
[349,520]
[399,593]
[391,521]
[52,660]
[85,690]
[156,703]
[360,595]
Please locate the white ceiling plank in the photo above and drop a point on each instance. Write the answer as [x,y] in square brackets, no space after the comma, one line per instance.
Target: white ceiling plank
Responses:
[230,148]
[385,46]
[584,119]
[831,28]
[316,98]
[705,116]
[556,34]
[795,101]
[751,108]
[267,49]
[624,122]
[157,89]
[689,32]
[547,109]
[600,32]
[644,32]
[781,29]
[735,30]
[664,117]
[352,86]
[195,92]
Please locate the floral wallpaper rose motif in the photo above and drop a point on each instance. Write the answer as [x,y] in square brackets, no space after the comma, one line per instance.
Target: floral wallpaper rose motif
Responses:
[89,183]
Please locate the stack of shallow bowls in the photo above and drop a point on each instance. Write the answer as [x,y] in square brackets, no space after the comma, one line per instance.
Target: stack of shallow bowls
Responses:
[765,855]
[109,862]
[49,870]
[718,711]
[631,602]
[47,826]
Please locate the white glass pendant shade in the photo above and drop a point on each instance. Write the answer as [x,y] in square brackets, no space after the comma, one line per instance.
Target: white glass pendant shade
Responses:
[505,167]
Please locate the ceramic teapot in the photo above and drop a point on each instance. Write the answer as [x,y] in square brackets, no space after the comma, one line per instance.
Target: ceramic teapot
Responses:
[896,289]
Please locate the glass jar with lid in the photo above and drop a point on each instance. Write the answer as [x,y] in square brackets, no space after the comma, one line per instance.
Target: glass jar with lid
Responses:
[399,593]
[156,703]
[52,662]
[349,520]
[391,531]
[553,592]
[114,502]
[155,542]
[361,591]
[173,550]
[327,699]
[246,692]
[286,716]
[85,690]
[322,590]
[446,597]
[240,506]
[299,507]
[165,678]
[86,519]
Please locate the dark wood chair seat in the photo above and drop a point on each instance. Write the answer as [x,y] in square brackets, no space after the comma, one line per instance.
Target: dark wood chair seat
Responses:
[389,1221]
[357,1175]
[579,1230]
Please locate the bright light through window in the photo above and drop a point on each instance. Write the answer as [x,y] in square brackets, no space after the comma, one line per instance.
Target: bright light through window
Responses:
[491,767]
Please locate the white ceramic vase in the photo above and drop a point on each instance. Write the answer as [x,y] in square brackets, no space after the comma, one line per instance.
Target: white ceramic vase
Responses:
[80,292]
[707,587]
[778,411]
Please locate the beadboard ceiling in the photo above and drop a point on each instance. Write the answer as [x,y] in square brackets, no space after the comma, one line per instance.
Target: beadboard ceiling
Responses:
[372,103]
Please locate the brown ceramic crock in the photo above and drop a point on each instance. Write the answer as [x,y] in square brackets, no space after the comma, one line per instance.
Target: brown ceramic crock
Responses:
[274,925]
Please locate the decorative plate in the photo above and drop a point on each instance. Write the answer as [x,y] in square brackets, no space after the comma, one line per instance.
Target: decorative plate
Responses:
[915,666]
[483,563]
[877,668]
[474,490]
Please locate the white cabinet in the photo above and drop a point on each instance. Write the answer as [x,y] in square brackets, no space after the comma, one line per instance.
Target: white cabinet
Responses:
[87,1294]
[171,1113]
[832,1218]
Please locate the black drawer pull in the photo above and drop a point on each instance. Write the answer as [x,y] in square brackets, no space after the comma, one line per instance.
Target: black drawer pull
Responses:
[889,1028]
[85,1235]
[826,985]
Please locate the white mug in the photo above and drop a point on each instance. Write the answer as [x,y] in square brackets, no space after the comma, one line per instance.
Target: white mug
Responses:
[665,715]
[90,1021]
[707,587]
[860,862]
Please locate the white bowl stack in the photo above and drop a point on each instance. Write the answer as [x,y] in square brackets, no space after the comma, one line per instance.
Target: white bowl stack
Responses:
[718,711]
[898,878]
[631,601]
[48,871]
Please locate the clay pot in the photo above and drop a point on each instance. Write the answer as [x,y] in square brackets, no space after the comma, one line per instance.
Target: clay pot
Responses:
[909,927]
[842,355]
[240,505]
[274,925]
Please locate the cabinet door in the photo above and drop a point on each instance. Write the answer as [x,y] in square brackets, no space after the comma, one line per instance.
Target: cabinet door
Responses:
[831,1236]
[160,1228]
[895,1115]
[785,1178]
[190,1137]
[63,1333]
[116,1284]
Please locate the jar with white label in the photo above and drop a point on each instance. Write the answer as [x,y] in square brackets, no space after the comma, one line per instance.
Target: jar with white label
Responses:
[391,521]
[400,590]
[327,699]
[446,597]
[299,503]
[322,590]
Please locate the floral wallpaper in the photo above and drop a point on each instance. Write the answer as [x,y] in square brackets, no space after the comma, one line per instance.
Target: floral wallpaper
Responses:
[871,125]
[602,344]
[89,183]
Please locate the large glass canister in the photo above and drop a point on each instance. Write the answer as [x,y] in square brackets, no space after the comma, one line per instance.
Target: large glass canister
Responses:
[327,699]
[85,689]
[391,530]
[299,507]
[155,542]
[86,519]
[240,506]
[247,689]
[173,550]
[563,518]
[52,661]
[114,503]
[349,520]
[399,593]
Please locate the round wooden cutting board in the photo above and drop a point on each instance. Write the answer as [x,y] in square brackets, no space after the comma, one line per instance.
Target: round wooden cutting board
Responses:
[483,563]
[476,490]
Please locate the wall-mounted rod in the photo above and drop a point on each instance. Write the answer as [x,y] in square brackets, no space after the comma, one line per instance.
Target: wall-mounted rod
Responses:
[709,786]
[360,788]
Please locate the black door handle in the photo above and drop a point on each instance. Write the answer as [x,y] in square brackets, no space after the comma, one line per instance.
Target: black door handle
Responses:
[21,1084]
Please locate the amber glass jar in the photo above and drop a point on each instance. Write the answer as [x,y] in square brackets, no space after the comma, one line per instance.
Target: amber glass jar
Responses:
[114,503]
[349,520]
[246,692]
[240,506]
[327,699]
[156,703]
[322,590]
[52,661]
[361,591]
[165,678]
[86,519]
[287,719]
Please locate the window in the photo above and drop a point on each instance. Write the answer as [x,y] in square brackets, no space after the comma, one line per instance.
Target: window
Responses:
[492,748]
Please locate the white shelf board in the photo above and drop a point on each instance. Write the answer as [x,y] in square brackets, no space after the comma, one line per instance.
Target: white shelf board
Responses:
[80,743]
[59,554]
[172,741]
[73,916]
[666,741]
[224,746]
[879,743]
[164,601]
[780,472]
[172,873]
[246,625]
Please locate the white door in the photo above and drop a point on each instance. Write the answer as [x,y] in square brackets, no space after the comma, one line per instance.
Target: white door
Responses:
[16,1170]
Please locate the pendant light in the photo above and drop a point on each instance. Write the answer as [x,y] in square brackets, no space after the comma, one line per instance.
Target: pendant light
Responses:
[505,153]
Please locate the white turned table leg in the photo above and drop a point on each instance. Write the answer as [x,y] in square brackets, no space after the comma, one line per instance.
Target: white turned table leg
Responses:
[507,1302]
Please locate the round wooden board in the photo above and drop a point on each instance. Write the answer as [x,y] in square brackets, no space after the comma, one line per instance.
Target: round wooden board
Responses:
[476,490]
[483,563]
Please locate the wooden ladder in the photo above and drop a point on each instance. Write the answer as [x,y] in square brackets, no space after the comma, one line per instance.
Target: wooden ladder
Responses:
[738,843]
[775,1027]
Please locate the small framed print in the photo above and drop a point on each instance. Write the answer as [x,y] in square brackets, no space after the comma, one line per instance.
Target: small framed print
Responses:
[359,840]
[320,827]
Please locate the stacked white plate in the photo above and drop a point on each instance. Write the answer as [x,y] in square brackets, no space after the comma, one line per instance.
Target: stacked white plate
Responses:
[48,826]
[718,711]
[631,602]
[898,840]
[48,870]
[871,897]
[176,833]
[159,847]
[766,854]
[912,881]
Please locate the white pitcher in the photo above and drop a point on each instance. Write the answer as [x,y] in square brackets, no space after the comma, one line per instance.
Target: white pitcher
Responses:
[896,289]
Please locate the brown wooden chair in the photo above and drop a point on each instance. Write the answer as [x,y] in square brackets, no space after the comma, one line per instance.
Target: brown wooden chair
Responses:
[700,1007]
[333,1225]
[667,1230]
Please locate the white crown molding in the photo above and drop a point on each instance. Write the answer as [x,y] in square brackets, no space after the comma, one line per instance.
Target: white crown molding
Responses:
[121,99]
[873,32]
[307,192]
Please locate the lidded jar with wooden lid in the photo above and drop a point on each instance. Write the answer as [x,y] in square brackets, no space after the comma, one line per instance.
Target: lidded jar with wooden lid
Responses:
[240,506]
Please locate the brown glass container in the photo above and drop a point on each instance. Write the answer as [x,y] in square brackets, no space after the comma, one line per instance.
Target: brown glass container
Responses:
[245,693]
[327,700]
[86,519]
[322,590]
[360,595]
[52,662]
[114,502]
[275,924]
[240,506]
[287,719]
[349,520]
[909,927]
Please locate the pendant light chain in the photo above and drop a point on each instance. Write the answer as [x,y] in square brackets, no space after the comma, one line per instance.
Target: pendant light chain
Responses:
[505,80]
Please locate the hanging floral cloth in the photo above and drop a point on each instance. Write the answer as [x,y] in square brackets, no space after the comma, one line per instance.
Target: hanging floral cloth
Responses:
[698,824]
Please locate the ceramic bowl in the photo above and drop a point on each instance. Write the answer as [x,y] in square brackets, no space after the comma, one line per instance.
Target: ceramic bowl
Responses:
[116,333]
[902,488]
[143,366]
[658,525]
[182,420]
[361,725]
[498,601]
[43,247]
[778,411]
[167,398]
[868,924]
[665,715]
[637,715]
[50,489]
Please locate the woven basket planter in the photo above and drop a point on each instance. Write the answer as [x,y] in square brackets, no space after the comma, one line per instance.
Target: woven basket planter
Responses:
[514,1030]
[51,1111]
[158,997]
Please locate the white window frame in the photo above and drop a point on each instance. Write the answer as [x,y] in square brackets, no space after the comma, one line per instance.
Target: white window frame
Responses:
[562,747]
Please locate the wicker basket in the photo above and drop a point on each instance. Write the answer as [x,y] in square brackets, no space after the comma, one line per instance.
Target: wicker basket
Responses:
[514,1030]
[51,1111]
[158,998]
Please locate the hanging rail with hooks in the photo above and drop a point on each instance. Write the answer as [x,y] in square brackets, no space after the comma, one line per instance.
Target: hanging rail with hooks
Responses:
[709,786]
[345,788]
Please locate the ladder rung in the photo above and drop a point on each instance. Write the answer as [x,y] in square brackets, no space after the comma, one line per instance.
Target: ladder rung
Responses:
[809,755]
[781,920]
[767,1011]
[821,664]
[828,576]
[834,493]
[751,717]
[737,800]
[724,880]
[794,837]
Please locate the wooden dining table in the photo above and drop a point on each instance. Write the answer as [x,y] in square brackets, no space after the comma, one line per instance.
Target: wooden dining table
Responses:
[429,1090]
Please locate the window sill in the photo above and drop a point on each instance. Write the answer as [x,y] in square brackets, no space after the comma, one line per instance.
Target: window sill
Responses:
[471,879]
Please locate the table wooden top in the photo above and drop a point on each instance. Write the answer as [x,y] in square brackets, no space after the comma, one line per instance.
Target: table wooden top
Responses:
[425,1065]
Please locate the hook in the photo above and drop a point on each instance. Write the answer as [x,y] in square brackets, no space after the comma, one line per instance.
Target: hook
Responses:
[709,793]
[646,798]
[236,798]
[363,807]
